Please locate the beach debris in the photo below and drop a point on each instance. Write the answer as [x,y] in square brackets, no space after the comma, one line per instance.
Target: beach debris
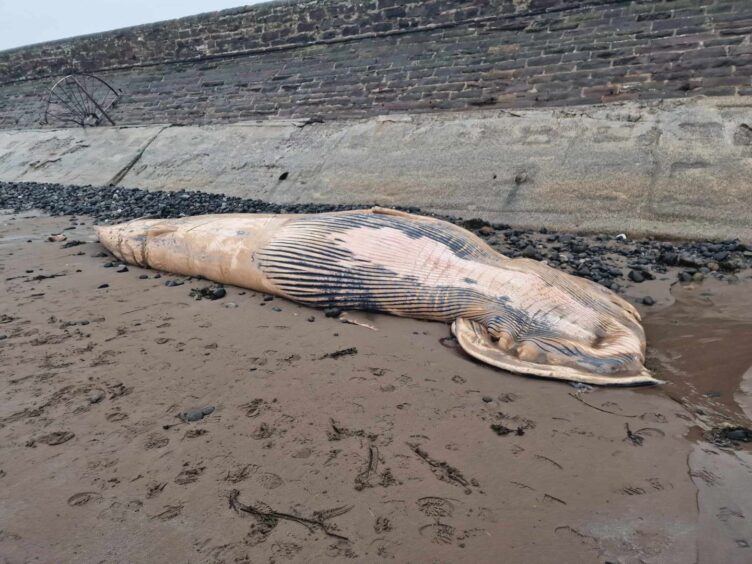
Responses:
[214,292]
[196,414]
[270,517]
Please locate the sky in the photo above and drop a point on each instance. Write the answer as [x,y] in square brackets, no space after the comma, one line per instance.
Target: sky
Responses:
[23,22]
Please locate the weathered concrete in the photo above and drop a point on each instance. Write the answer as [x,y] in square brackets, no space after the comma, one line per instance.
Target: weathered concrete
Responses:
[71,156]
[677,169]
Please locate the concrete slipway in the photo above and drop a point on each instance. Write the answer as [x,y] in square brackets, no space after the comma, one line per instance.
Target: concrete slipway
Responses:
[678,168]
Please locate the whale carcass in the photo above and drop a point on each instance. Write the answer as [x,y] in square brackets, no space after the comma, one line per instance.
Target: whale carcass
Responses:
[516,314]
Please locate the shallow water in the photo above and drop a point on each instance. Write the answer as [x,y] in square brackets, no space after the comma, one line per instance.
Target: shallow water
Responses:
[702,346]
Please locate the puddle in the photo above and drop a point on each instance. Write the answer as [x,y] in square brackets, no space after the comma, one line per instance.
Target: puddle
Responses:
[702,346]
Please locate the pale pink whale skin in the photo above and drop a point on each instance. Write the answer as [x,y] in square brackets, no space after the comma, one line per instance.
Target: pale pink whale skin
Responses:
[515,314]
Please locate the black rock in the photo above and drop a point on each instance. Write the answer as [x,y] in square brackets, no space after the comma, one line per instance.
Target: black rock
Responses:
[311,319]
[684,277]
[109,264]
[172,283]
[636,276]
[268,298]
[474,224]
[332,312]
[105,285]
[689,260]
[648,301]
[208,293]
[732,264]
[668,258]
[122,268]
[739,434]
[143,277]
[530,252]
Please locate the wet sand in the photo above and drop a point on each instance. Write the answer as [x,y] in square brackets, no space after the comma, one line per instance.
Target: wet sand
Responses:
[331,441]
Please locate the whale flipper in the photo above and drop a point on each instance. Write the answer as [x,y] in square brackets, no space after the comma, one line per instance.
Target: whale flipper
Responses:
[476,341]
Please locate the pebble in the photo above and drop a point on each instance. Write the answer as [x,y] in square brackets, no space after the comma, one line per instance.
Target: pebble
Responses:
[96,396]
[268,298]
[738,435]
[684,277]
[231,305]
[636,276]
[173,283]
[487,399]
[529,252]
[143,277]
[192,415]
[108,264]
[275,308]
[311,319]
[105,285]
[698,277]
[217,292]
[648,301]
[197,414]
[332,312]
[122,268]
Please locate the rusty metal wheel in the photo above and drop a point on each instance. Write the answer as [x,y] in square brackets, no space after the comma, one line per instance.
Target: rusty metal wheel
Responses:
[81,99]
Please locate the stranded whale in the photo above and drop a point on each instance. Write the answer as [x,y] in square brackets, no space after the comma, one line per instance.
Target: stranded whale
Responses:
[517,314]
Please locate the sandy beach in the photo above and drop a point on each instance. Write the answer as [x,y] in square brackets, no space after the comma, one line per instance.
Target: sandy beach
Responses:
[139,424]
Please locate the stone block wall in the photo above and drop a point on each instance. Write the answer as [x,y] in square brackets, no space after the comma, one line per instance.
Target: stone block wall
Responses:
[355,58]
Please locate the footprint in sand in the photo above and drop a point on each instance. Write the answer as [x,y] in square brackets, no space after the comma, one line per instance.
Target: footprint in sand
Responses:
[435,507]
[269,481]
[189,475]
[170,512]
[82,498]
[382,525]
[286,549]
[156,441]
[439,533]
[154,489]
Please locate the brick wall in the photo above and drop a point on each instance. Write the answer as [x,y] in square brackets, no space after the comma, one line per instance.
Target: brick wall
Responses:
[362,57]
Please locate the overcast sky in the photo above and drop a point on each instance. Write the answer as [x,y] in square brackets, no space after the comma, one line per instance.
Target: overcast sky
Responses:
[23,22]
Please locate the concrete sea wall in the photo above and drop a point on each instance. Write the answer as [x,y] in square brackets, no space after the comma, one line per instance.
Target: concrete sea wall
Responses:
[678,169]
